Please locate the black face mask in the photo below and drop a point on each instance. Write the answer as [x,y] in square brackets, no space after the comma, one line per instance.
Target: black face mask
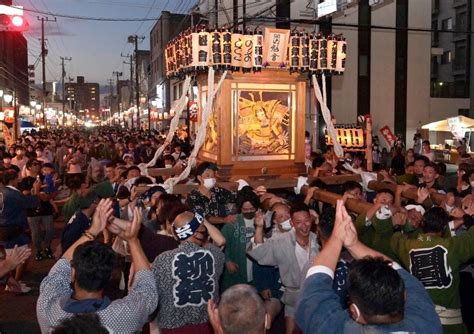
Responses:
[248,215]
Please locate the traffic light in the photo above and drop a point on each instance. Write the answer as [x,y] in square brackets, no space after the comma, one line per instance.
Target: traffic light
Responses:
[12,19]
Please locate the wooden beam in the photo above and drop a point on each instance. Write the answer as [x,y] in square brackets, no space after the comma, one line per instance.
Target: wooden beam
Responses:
[351,204]
[161,172]
[410,193]
[337,179]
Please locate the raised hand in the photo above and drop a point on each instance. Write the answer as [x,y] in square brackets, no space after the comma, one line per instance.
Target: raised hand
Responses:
[422,194]
[101,216]
[131,231]
[259,219]
[17,256]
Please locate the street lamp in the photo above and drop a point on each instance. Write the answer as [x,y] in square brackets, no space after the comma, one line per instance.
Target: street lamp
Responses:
[8,98]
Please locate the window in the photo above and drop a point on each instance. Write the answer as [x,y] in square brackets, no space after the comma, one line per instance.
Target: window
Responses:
[461,21]
[447,24]
[435,33]
[446,58]
[459,58]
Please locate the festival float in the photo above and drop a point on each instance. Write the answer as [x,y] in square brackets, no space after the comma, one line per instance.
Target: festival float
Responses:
[252,95]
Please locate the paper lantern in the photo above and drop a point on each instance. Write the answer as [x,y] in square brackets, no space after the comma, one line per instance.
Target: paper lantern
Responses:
[257,57]
[216,49]
[341,55]
[304,52]
[313,53]
[247,51]
[331,53]
[294,52]
[237,42]
[323,53]
[226,41]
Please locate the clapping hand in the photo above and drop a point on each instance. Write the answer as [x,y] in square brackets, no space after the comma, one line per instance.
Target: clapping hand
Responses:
[102,214]
[17,256]
[131,231]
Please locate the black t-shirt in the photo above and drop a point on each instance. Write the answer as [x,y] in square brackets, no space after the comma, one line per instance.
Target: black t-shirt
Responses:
[44,209]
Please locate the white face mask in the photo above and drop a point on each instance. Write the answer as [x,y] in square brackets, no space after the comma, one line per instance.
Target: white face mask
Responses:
[168,166]
[472,184]
[209,183]
[286,225]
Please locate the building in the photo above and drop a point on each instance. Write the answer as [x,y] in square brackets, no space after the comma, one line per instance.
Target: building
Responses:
[83,96]
[14,65]
[162,90]
[402,77]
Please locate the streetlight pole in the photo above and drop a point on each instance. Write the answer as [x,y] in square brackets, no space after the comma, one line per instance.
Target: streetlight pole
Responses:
[118,74]
[134,39]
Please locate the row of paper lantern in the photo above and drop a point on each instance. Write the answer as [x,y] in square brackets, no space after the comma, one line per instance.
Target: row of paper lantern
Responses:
[348,136]
[195,51]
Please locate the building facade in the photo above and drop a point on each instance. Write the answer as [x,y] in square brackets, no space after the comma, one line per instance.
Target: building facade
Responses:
[83,96]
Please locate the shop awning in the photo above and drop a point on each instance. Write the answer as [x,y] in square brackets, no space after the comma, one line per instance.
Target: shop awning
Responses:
[464,122]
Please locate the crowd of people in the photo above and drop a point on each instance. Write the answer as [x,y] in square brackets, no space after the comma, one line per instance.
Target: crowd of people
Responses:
[217,260]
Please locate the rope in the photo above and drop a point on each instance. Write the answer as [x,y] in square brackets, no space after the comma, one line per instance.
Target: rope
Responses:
[173,126]
[202,130]
[327,115]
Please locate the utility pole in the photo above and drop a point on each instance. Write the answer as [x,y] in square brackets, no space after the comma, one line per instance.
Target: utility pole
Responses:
[130,96]
[63,83]
[111,96]
[134,39]
[118,74]
[44,52]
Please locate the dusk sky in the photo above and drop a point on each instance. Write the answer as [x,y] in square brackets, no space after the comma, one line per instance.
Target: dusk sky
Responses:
[95,46]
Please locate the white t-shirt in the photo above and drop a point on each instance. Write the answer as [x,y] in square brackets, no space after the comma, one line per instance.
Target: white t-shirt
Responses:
[249,234]
[302,255]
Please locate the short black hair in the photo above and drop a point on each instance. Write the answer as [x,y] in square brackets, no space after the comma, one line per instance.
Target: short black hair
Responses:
[433,165]
[435,220]
[133,168]
[386,191]
[74,181]
[30,163]
[247,195]
[326,222]
[110,164]
[442,168]
[421,157]
[351,185]
[142,180]
[9,175]
[93,262]
[205,165]
[297,207]
[377,289]
[81,323]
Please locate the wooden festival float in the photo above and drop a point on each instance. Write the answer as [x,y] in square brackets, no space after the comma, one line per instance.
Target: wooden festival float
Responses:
[255,125]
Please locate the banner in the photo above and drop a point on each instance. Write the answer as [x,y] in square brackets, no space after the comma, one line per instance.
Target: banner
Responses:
[388,135]
[7,135]
[193,108]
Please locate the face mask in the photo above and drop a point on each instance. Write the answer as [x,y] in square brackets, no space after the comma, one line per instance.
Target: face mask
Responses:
[472,184]
[209,183]
[307,141]
[286,225]
[248,215]
[168,166]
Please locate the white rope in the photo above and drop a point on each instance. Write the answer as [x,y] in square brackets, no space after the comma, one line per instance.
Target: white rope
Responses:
[327,116]
[173,126]
[202,130]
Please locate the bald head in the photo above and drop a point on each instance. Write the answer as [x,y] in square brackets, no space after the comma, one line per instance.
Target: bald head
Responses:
[241,310]
[188,226]
[183,218]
